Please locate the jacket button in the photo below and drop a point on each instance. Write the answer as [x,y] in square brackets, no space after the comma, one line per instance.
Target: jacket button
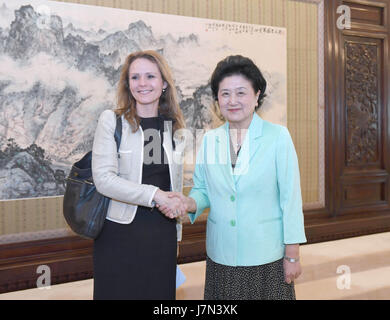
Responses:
[232,198]
[233,223]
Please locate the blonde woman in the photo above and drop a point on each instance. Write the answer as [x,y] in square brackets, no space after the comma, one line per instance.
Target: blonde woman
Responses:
[135,254]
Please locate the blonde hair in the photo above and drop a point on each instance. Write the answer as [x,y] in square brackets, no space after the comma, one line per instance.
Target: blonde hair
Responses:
[168,104]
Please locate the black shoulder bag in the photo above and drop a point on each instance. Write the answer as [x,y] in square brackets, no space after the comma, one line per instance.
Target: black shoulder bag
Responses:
[85,209]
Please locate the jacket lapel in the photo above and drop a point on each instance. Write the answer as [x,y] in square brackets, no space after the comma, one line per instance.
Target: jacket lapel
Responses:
[249,147]
[222,154]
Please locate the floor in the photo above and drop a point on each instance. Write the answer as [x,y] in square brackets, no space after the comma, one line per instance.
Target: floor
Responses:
[353,268]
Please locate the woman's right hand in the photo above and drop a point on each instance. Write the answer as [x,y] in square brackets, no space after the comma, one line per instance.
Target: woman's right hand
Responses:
[171,207]
[187,204]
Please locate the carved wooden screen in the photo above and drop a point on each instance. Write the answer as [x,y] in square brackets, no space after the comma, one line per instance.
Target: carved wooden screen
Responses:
[363,125]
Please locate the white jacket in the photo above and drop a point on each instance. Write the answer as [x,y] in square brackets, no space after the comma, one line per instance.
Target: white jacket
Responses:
[121,178]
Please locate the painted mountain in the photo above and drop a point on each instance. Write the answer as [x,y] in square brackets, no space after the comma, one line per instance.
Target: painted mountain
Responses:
[55,80]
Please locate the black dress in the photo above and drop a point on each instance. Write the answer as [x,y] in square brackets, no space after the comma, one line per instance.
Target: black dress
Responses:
[138,260]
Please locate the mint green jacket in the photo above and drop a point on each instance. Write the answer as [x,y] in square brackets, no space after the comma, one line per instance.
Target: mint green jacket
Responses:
[255,209]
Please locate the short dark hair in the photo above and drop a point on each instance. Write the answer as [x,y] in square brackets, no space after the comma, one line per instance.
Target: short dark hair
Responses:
[238,65]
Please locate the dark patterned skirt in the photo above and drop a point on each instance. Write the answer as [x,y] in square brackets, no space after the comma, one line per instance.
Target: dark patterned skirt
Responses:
[265,282]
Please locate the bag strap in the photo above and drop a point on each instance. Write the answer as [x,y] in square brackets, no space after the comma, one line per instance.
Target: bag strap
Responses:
[118,132]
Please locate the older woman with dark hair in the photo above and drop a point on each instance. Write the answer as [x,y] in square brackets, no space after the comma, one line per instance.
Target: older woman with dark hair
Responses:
[247,173]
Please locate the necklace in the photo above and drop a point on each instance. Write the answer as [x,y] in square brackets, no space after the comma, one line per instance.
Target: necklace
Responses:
[237,144]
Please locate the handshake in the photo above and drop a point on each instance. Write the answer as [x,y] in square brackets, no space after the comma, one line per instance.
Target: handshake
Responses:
[174,204]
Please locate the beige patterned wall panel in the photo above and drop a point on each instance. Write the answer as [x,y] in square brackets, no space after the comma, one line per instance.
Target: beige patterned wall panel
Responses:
[30,219]
[25,219]
[302,115]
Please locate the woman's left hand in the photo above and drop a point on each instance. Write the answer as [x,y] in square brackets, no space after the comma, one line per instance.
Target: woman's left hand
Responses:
[292,270]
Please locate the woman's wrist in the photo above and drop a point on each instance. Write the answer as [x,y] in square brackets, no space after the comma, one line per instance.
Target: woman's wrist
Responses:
[292,251]
[191,204]
[158,196]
